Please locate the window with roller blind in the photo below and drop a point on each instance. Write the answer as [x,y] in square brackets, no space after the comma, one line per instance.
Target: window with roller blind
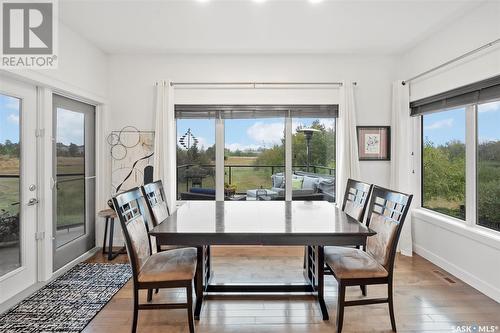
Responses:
[461,152]
[254,143]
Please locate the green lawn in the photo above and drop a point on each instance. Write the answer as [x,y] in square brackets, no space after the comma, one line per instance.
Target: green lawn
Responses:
[70,190]
[9,194]
[70,201]
[247,178]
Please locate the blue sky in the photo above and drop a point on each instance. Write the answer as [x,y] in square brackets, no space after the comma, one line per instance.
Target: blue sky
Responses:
[9,118]
[243,133]
[69,130]
[70,127]
[441,127]
[488,122]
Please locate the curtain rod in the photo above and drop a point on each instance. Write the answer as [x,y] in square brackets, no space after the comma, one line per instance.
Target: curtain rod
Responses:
[254,84]
[485,46]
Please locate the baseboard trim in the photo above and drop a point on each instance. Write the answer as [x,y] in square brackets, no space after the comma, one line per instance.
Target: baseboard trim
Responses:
[472,280]
[11,302]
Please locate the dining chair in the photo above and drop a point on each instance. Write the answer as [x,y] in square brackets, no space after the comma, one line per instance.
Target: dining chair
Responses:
[374,264]
[354,204]
[168,269]
[356,198]
[158,209]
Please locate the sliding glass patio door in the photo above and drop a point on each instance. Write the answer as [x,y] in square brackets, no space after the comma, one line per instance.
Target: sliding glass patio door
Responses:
[18,187]
[247,152]
[74,176]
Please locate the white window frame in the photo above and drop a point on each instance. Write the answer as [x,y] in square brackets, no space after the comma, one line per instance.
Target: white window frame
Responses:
[470,164]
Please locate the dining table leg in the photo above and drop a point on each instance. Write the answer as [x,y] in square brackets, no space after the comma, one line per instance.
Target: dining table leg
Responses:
[321,282]
[199,281]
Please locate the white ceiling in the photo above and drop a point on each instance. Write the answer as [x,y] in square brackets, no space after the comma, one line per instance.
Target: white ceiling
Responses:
[273,26]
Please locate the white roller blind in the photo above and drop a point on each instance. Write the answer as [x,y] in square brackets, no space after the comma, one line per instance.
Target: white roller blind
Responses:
[276,95]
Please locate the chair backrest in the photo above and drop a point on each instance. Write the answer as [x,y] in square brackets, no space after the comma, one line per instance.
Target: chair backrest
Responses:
[356,198]
[156,201]
[386,214]
[131,210]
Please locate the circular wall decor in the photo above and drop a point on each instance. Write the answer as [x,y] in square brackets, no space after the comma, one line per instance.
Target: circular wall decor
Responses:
[133,137]
[113,139]
[118,152]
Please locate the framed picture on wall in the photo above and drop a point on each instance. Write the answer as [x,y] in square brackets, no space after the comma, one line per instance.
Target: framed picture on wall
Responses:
[374,143]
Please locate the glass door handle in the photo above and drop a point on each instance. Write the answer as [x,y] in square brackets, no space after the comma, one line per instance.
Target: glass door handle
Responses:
[32,201]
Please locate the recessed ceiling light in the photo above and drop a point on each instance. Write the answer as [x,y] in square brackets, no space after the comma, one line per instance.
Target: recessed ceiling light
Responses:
[259,1]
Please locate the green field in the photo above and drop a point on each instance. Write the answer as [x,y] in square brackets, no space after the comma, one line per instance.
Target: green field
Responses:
[9,195]
[9,187]
[245,177]
[70,190]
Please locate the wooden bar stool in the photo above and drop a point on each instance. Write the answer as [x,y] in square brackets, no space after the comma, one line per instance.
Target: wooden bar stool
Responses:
[109,216]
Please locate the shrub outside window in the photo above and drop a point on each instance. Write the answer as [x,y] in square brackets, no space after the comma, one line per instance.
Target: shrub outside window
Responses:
[443,162]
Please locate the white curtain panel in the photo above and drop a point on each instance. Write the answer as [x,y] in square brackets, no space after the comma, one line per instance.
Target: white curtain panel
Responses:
[347,142]
[401,159]
[164,149]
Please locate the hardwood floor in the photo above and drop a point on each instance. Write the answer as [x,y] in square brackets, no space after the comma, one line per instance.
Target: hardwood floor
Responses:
[426,299]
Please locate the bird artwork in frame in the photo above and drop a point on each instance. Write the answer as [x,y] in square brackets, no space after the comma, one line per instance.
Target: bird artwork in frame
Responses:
[374,143]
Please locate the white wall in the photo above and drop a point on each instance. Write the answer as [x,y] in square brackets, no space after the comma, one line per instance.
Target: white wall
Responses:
[132,79]
[471,253]
[478,27]
[82,68]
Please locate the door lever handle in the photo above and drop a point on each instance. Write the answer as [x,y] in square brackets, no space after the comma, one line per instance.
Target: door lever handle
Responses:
[32,201]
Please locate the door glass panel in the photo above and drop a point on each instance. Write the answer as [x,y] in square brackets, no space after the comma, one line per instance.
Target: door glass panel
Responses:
[10,248]
[195,159]
[254,159]
[70,176]
[313,159]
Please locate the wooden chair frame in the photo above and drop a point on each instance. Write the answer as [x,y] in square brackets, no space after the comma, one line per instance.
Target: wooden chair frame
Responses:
[155,195]
[126,213]
[396,198]
[360,196]
[151,192]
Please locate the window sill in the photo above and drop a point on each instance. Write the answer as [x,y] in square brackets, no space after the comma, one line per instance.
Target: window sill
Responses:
[477,233]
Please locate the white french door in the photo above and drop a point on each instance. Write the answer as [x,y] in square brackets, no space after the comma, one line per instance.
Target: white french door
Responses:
[18,187]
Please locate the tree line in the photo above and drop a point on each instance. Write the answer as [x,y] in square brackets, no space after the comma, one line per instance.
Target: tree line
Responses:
[13,149]
[444,178]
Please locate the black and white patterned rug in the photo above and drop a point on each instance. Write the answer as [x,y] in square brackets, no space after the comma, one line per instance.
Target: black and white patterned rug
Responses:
[68,303]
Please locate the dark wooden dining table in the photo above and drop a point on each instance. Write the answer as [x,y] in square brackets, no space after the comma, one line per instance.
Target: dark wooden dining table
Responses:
[313,224]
